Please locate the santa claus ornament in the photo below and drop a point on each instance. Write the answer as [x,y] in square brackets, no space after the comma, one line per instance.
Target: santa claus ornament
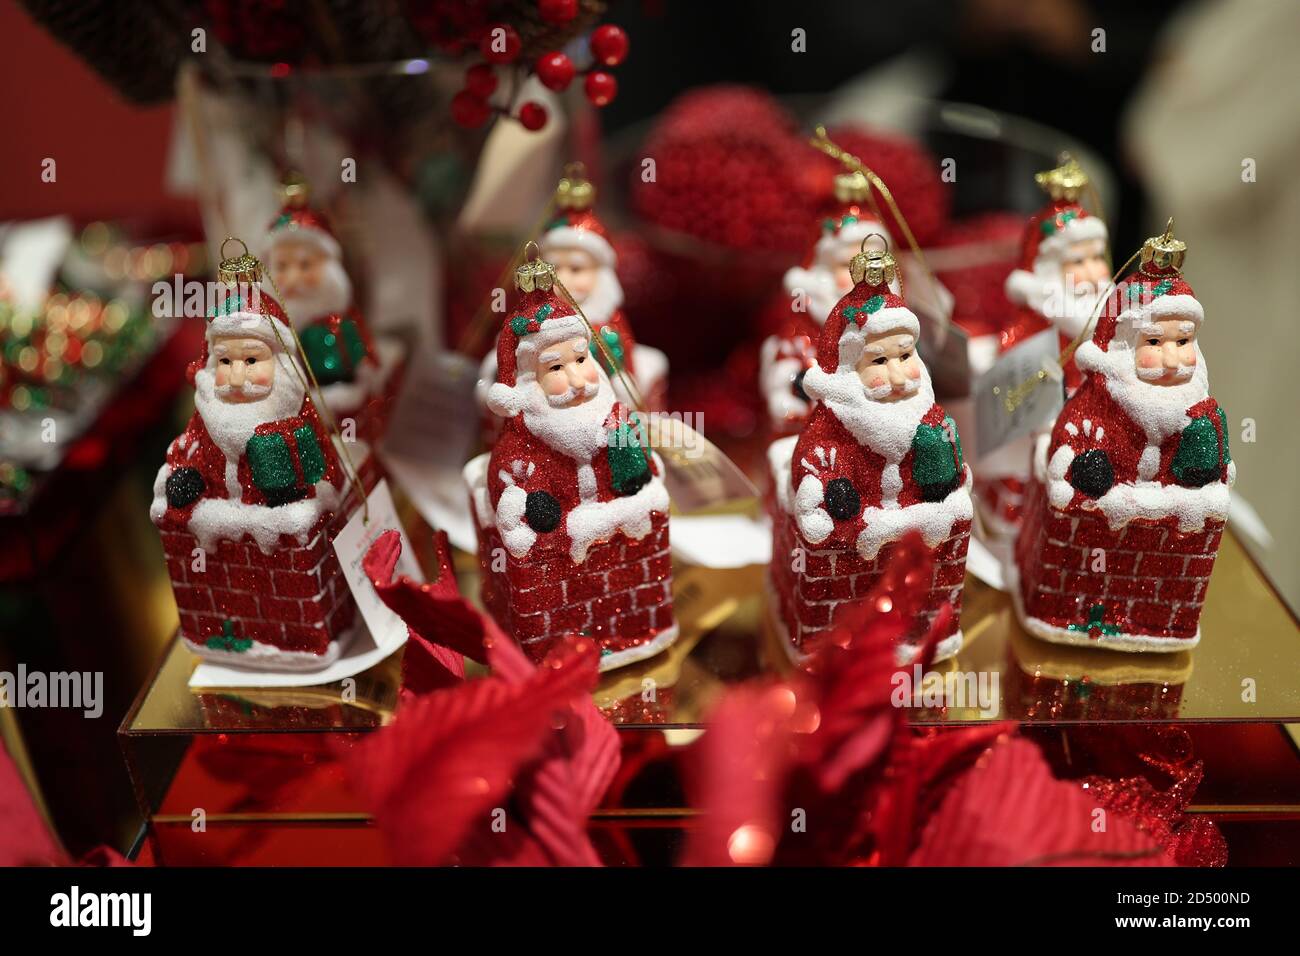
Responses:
[876,459]
[1063,273]
[1129,494]
[578,245]
[250,497]
[813,291]
[305,263]
[570,505]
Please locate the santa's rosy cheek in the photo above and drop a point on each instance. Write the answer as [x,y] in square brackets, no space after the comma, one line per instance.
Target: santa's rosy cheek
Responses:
[877,379]
[1149,358]
[1187,355]
[589,371]
[913,370]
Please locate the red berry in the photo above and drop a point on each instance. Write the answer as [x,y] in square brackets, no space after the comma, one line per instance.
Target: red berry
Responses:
[468,110]
[481,80]
[532,116]
[609,44]
[500,44]
[557,11]
[601,88]
[555,70]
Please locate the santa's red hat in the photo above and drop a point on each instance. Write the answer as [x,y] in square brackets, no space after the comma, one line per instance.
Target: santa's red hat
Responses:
[540,319]
[579,229]
[251,312]
[870,308]
[302,224]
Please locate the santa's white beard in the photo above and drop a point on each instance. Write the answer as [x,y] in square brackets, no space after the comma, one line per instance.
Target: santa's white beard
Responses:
[231,424]
[887,428]
[604,299]
[1160,410]
[1068,307]
[331,297]
[575,430]
[819,289]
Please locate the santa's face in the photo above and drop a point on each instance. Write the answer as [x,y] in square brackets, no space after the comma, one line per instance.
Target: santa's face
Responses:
[1084,268]
[297,267]
[577,269]
[1166,352]
[312,283]
[567,373]
[244,369]
[889,367]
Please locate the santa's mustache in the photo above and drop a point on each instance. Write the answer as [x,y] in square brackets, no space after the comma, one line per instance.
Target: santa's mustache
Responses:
[882,392]
[1181,373]
[250,390]
[571,394]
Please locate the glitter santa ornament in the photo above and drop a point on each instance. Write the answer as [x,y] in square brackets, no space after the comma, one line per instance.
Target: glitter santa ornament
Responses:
[813,291]
[876,459]
[570,505]
[250,497]
[1129,494]
[305,262]
[1064,270]
[578,245]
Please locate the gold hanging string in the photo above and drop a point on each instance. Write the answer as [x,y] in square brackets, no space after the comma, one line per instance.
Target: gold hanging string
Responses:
[478,325]
[350,472]
[828,146]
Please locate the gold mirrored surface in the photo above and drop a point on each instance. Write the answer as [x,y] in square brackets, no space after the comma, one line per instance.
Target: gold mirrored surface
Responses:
[1246,668]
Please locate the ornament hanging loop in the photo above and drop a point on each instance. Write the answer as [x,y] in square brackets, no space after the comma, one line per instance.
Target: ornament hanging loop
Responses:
[535,273]
[1164,253]
[243,269]
[874,266]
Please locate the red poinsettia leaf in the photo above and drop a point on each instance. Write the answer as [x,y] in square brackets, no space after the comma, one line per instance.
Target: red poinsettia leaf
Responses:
[25,840]
[1009,811]
[450,756]
[736,777]
[580,759]
[435,611]
[854,669]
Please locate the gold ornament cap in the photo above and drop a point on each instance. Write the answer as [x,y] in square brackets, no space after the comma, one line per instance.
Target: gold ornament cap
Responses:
[1164,253]
[874,266]
[535,273]
[575,191]
[243,269]
[294,190]
[1066,182]
[851,187]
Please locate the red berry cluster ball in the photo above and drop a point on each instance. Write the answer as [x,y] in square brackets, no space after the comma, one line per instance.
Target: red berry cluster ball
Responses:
[608,47]
[500,45]
[729,170]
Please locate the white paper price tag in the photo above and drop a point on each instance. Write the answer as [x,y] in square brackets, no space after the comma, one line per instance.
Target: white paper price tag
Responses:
[1005,407]
[351,545]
